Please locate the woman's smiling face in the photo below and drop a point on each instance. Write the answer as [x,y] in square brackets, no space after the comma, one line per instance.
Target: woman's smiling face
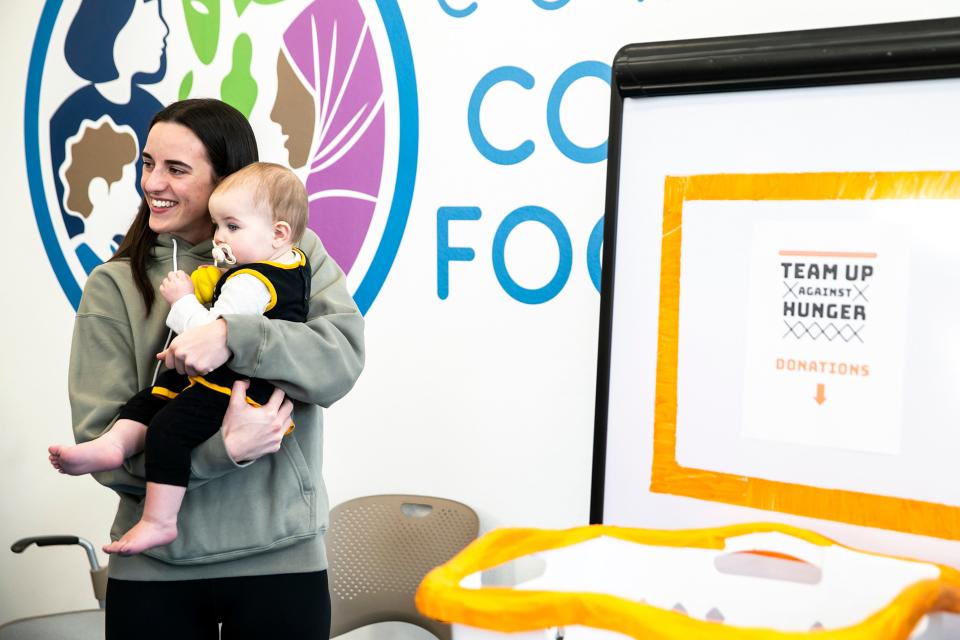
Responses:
[177,182]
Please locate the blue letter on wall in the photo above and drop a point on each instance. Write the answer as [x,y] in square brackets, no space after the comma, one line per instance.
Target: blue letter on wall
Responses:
[490,152]
[550,221]
[587,69]
[446,253]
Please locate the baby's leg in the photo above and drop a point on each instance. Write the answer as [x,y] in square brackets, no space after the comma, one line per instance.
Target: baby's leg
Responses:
[158,526]
[185,422]
[103,454]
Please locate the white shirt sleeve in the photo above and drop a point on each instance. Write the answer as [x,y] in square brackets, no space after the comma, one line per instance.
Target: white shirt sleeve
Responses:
[242,294]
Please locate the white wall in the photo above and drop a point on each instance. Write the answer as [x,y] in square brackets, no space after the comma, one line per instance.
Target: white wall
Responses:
[476,397]
[35,499]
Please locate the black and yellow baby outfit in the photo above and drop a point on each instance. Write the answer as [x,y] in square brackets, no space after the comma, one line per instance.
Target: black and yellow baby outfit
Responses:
[183,411]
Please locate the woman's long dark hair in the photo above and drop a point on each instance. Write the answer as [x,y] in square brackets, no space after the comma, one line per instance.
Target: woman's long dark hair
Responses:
[230,144]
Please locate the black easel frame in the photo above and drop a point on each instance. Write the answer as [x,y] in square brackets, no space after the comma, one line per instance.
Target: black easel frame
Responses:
[921,50]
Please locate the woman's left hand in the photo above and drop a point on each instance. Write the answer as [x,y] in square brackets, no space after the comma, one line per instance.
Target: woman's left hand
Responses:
[198,351]
[252,432]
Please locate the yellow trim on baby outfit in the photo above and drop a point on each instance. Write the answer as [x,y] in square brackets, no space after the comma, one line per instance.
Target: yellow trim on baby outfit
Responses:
[229,392]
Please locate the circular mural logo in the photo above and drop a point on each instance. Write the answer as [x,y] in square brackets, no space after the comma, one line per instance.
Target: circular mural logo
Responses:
[328,86]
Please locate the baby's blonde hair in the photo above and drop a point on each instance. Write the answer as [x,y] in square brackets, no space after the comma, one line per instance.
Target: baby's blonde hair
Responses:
[279,187]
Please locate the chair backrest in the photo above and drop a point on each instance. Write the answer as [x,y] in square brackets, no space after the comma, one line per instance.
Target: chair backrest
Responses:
[74,625]
[380,548]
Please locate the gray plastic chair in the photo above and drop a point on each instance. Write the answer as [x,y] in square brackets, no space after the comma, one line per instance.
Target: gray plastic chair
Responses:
[74,625]
[380,548]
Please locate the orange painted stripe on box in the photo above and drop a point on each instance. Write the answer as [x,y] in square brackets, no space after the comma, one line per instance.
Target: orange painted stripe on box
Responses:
[667,476]
[830,254]
[442,594]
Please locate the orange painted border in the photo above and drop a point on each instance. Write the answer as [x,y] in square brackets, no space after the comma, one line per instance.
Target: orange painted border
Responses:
[667,476]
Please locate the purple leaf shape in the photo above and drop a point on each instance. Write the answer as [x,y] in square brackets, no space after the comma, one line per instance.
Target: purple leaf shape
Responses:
[331,46]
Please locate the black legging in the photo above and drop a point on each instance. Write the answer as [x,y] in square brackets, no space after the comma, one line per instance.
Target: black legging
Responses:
[290,605]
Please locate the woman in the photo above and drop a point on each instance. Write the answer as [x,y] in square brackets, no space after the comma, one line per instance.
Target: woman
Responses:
[250,552]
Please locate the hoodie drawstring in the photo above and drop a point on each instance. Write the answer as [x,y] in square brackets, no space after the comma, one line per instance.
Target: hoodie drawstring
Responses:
[156,371]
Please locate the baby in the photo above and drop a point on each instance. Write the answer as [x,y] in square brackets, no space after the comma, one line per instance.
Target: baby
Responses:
[259,212]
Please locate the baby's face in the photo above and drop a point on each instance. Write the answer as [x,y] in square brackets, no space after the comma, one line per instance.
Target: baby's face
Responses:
[244,224]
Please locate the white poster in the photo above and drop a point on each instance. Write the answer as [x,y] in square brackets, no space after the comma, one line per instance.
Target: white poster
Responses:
[825,324]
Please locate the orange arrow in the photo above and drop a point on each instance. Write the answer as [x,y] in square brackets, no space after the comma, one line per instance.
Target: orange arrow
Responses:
[821,396]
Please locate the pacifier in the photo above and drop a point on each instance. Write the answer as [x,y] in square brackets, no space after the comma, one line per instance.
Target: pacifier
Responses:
[222,253]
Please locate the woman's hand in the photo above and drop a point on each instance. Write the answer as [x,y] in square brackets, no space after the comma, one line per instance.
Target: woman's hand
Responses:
[176,285]
[198,351]
[251,432]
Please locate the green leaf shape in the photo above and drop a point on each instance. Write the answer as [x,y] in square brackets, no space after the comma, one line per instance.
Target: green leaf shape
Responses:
[203,25]
[185,86]
[238,87]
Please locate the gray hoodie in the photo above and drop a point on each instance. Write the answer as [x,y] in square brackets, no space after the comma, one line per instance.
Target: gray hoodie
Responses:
[256,518]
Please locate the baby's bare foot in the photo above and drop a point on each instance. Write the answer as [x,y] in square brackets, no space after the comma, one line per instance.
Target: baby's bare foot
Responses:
[96,455]
[144,535]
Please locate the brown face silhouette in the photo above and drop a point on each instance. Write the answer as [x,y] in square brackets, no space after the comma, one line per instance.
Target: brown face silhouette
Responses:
[294,111]
[100,152]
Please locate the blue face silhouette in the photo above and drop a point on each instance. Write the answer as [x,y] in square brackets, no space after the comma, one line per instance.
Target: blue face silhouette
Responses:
[92,38]
[98,30]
